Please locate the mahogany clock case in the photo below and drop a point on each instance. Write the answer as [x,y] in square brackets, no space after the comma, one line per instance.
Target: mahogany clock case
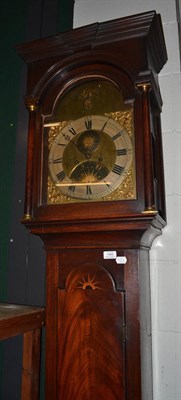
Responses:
[98,334]
[115,53]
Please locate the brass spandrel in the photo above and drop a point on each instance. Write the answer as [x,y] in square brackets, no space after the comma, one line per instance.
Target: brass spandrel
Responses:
[53,194]
[125,119]
[126,191]
[53,131]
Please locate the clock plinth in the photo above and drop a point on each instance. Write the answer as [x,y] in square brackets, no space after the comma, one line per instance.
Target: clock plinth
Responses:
[95,196]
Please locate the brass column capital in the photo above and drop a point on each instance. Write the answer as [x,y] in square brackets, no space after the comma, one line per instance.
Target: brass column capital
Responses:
[31,103]
[145,86]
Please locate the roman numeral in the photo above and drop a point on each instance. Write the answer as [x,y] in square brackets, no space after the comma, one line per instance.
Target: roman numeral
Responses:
[88,190]
[61,144]
[117,135]
[118,169]
[88,123]
[61,175]
[72,131]
[71,188]
[57,160]
[107,184]
[121,152]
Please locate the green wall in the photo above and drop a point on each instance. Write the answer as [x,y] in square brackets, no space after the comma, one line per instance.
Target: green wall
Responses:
[13,30]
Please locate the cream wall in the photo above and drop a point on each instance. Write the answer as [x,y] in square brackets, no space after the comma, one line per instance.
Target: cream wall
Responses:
[165,253]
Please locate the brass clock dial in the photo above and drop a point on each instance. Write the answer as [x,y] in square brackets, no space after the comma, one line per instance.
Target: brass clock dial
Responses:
[89,150]
[90,157]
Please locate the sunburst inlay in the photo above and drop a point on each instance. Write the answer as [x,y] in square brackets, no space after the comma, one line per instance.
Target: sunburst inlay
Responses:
[89,283]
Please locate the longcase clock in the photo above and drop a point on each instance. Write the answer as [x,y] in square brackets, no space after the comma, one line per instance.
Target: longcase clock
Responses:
[95,196]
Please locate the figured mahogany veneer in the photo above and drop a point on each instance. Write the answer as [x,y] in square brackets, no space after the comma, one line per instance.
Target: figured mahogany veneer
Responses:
[88,326]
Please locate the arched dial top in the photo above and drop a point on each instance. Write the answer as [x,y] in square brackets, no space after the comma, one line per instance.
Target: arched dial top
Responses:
[90,157]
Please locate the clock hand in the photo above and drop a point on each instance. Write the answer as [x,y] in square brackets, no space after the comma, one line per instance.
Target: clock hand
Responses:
[102,130]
